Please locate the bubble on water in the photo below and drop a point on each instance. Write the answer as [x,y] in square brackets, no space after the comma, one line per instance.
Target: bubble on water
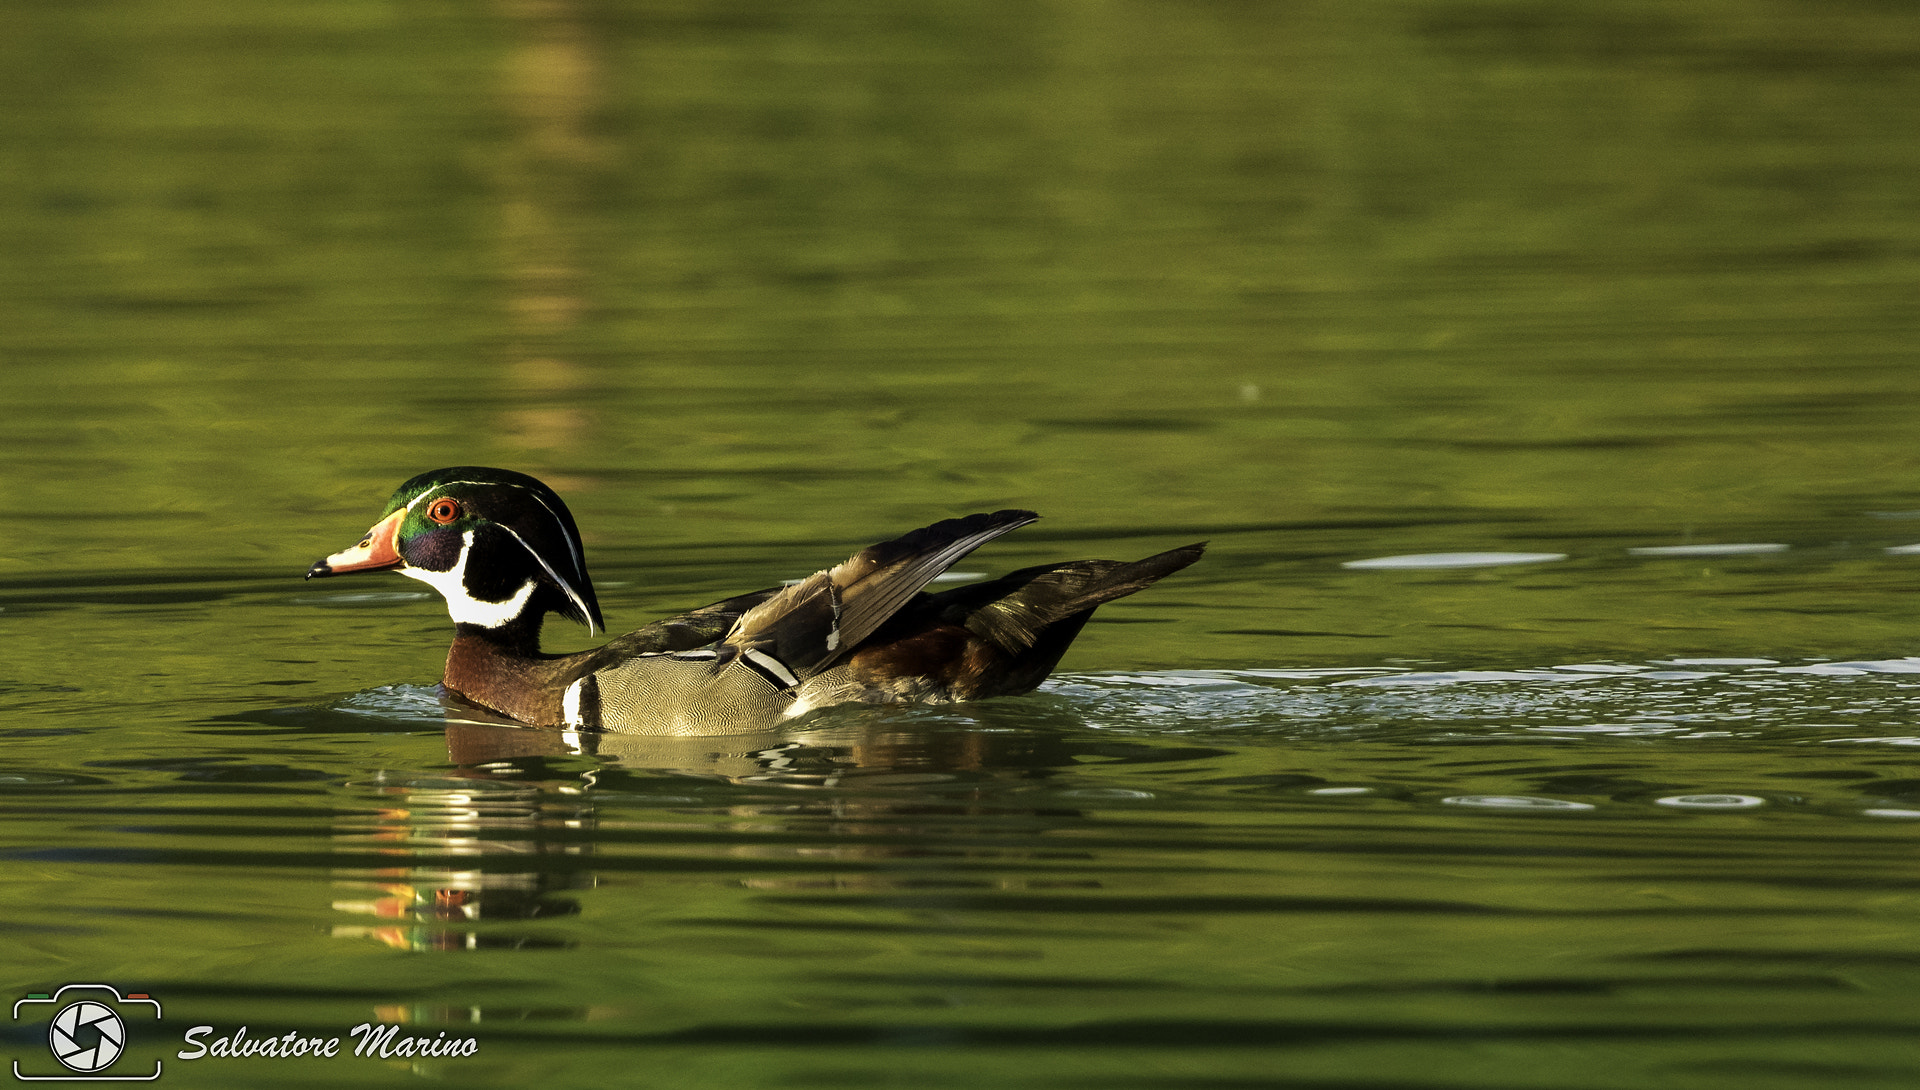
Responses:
[1455,677]
[14,779]
[1712,802]
[1870,666]
[1891,812]
[1738,549]
[1619,730]
[1341,791]
[1307,673]
[1452,560]
[1514,802]
[1116,793]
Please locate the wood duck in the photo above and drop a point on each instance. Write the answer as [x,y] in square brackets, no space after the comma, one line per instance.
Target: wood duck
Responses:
[502,549]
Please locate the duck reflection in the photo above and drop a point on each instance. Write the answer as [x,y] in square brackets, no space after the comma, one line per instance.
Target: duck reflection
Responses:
[521,804]
[868,750]
[491,822]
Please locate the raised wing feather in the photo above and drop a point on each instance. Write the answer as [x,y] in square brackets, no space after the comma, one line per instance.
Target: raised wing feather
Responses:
[814,623]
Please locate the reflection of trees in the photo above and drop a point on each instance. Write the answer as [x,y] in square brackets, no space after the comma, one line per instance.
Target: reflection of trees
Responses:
[551,88]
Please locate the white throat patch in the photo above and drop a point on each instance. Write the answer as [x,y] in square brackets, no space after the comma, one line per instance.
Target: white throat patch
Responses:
[464,608]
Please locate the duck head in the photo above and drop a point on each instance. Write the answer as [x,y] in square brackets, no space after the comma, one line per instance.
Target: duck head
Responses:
[499,546]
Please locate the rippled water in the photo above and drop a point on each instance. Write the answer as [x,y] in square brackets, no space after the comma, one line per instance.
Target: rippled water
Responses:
[1694,872]
[1542,715]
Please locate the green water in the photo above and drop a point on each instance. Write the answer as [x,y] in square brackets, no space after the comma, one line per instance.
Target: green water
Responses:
[755,286]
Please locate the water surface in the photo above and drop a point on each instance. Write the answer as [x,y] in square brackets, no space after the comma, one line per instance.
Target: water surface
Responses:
[1543,715]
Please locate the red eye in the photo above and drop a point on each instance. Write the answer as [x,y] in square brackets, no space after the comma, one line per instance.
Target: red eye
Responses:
[444,510]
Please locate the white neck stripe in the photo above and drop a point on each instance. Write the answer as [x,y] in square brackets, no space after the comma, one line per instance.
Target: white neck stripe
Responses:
[565,586]
[463,607]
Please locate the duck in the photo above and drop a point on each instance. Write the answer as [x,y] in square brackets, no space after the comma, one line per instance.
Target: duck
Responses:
[502,549]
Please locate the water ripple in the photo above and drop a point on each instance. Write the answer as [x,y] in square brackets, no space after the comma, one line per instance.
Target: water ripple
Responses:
[1851,702]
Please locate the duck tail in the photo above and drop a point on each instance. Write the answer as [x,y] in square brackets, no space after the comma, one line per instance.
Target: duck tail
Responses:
[1031,616]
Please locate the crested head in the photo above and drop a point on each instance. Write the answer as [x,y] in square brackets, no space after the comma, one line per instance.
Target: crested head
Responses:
[499,546]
